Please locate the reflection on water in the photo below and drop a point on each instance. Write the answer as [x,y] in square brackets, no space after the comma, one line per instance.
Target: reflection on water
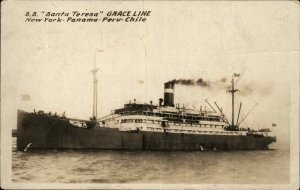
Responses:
[150,166]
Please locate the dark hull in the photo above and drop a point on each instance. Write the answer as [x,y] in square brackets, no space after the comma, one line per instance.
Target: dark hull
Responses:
[57,133]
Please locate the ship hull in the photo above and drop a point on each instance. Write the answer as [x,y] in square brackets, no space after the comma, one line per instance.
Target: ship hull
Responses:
[44,132]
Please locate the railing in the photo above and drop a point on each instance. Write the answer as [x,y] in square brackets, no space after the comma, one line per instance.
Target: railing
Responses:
[171,117]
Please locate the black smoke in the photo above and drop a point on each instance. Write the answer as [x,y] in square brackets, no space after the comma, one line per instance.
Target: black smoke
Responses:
[245,88]
[200,82]
[191,82]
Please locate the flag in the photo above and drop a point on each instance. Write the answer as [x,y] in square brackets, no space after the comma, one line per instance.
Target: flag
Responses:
[274,125]
[25,97]
[236,75]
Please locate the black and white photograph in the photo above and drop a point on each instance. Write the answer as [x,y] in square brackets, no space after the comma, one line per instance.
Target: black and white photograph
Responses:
[150,94]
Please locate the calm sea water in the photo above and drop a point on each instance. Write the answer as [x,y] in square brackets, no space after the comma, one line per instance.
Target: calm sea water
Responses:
[59,166]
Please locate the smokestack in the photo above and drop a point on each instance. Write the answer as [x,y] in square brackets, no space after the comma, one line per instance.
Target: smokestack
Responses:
[169,94]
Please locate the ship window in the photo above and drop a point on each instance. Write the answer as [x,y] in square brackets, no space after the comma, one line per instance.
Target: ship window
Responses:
[127,121]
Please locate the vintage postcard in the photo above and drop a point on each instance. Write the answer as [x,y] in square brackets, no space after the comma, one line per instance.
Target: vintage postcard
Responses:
[150,94]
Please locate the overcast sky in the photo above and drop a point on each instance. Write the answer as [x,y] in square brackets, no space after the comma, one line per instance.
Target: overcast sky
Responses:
[180,40]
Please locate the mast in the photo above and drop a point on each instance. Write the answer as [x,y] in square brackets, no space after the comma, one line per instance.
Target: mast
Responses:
[232,91]
[95,81]
[95,86]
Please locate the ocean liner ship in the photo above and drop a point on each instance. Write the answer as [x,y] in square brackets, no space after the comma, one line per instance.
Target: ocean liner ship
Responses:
[136,126]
